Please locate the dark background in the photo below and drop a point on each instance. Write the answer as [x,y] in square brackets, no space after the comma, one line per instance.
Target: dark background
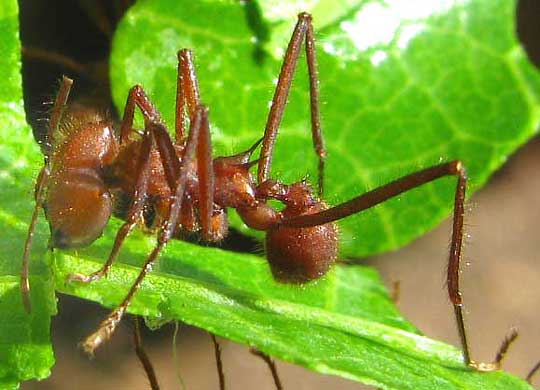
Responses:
[501,287]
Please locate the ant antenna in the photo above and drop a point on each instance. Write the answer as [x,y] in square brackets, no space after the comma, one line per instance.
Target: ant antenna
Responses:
[51,57]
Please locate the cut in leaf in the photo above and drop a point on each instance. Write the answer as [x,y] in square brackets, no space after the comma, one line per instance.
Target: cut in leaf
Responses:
[25,347]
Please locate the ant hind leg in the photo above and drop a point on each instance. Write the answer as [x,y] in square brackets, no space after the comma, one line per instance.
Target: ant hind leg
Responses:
[397,187]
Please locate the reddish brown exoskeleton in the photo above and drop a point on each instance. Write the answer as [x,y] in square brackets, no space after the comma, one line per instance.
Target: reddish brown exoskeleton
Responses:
[88,164]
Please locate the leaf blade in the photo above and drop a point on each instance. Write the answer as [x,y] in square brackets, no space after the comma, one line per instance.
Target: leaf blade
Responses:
[25,347]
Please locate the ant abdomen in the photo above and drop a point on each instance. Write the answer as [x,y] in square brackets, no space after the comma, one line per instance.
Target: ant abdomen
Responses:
[78,208]
[78,204]
[299,255]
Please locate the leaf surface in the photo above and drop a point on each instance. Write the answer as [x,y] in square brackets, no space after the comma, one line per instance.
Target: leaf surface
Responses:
[25,347]
[344,324]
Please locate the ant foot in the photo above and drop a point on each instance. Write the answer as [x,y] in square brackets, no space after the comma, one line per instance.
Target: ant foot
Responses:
[93,341]
[80,278]
[485,367]
[501,353]
[104,332]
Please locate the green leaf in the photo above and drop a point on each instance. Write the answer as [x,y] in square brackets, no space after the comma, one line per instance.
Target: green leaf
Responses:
[25,347]
[395,107]
[344,324]
[403,87]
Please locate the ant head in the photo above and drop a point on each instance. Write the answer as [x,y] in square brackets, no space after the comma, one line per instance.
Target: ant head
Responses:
[78,207]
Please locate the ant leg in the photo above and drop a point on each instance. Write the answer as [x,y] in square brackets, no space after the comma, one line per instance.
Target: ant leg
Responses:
[41,183]
[137,97]
[503,349]
[399,186]
[164,144]
[531,373]
[219,362]
[271,365]
[188,95]
[143,357]
[303,30]
[172,166]
[187,92]
[133,216]
[205,172]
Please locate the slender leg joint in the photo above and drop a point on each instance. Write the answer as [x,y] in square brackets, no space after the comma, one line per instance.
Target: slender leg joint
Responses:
[104,332]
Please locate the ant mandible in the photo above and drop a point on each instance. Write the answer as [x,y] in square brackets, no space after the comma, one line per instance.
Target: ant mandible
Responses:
[87,163]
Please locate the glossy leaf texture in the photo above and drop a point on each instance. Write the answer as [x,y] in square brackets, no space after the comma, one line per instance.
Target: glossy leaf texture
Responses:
[25,347]
[403,87]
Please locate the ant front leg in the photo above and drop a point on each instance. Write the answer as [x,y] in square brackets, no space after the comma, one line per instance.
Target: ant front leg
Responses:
[187,93]
[177,182]
[397,187]
[137,97]
[188,98]
[303,30]
[41,184]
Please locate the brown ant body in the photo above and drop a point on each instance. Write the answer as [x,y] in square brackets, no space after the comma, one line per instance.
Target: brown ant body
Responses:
[178,187]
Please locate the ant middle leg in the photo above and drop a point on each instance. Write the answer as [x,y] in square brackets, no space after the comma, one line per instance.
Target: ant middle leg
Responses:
[187,93]
[302,31]
[142,355]
[532,372]
[397,187]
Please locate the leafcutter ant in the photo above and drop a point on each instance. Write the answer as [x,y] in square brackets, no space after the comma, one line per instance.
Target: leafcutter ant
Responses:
[88,162]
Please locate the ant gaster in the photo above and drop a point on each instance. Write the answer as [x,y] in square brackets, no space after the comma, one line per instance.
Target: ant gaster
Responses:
[86,162]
